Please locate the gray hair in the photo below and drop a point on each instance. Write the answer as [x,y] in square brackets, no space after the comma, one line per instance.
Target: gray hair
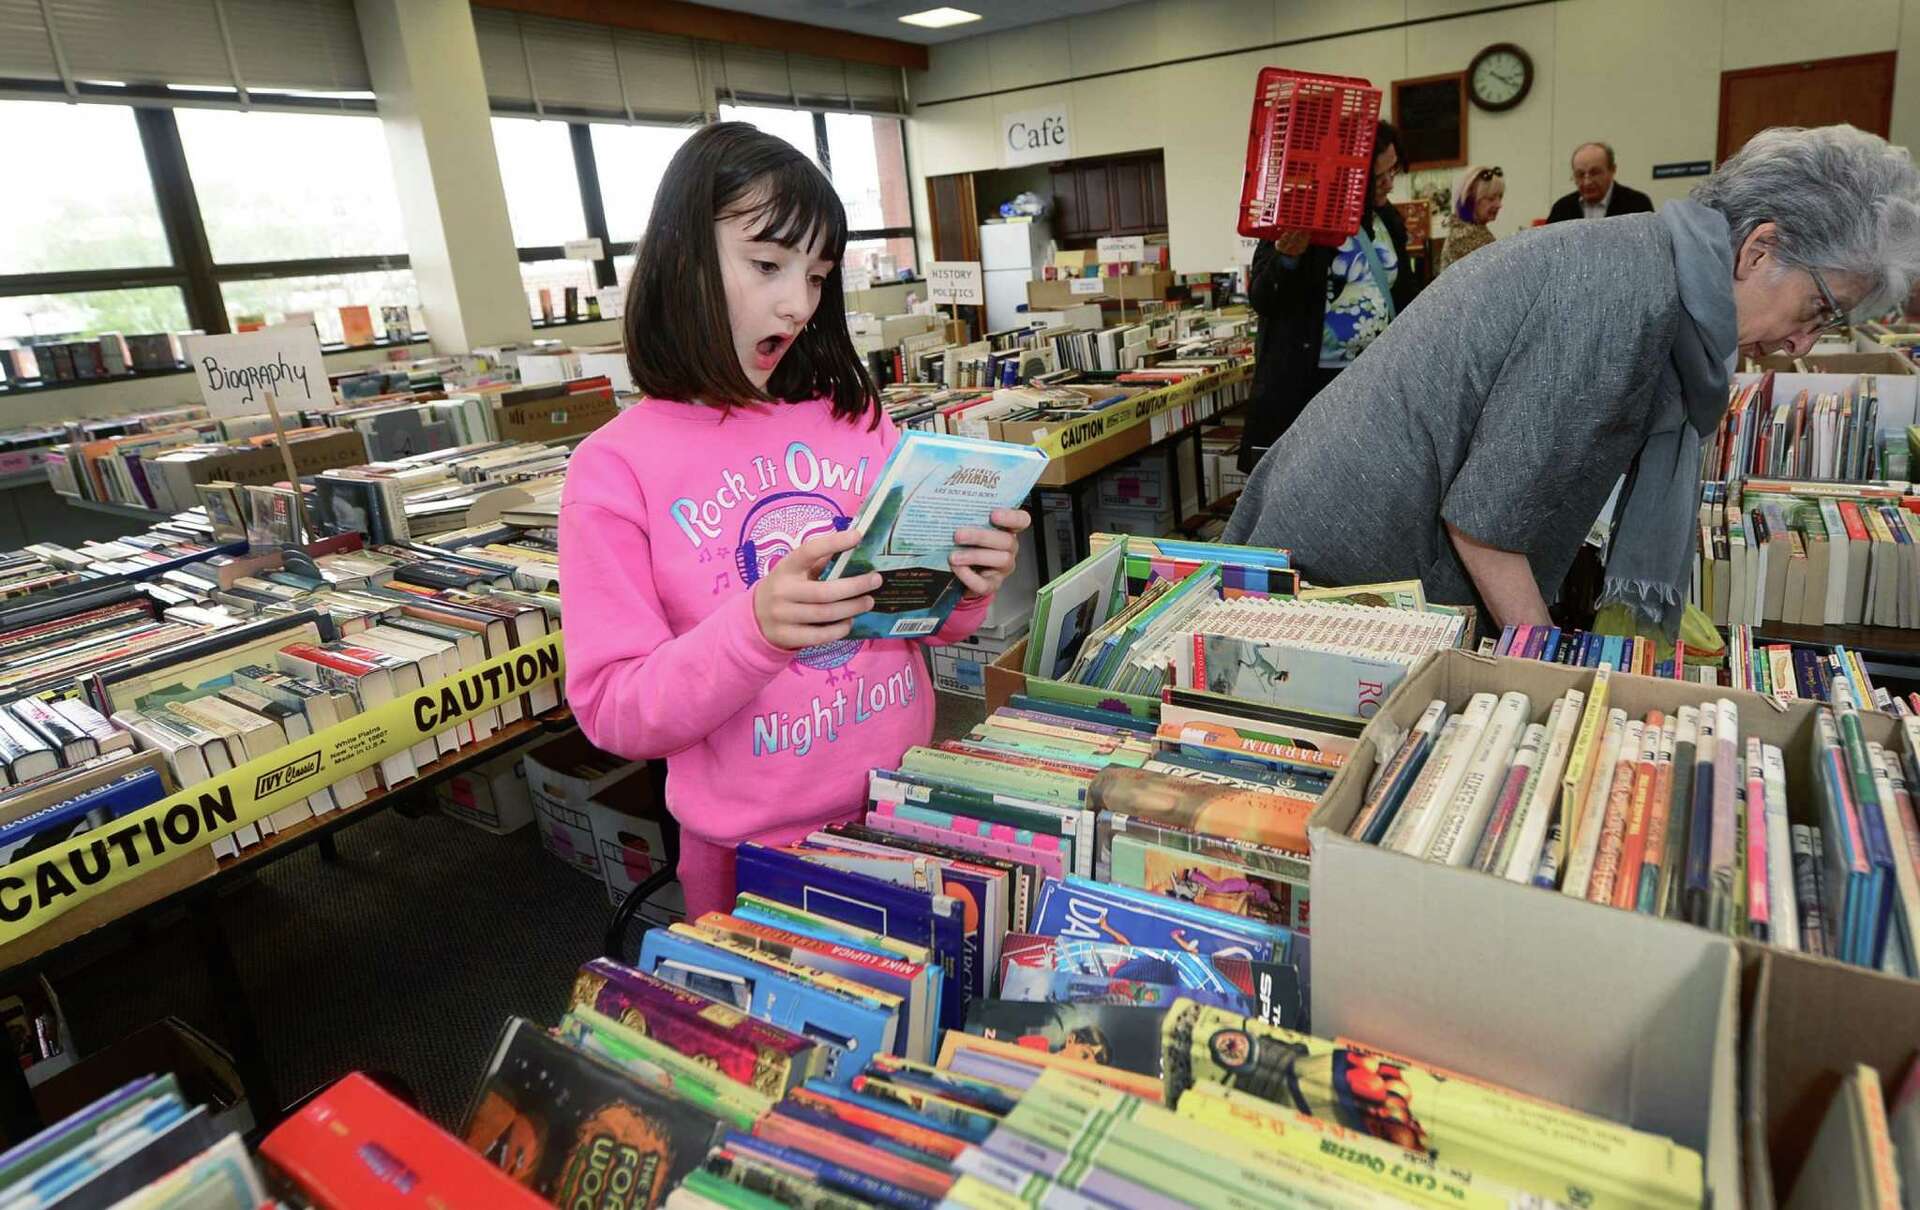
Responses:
[1843,200]
[1606,147]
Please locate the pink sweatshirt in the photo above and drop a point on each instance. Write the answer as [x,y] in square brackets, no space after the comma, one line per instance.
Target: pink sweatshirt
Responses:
[671,513]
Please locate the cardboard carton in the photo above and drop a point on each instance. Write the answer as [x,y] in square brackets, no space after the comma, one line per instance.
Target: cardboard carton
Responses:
[557,417]
[961,667]
[1609,1012]
[562,774]
[632,832]
[1808,1021]
[492,796]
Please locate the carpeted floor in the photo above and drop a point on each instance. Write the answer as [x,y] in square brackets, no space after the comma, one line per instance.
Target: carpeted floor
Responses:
[407,955]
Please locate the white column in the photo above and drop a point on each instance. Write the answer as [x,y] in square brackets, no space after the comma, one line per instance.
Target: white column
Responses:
[425,62]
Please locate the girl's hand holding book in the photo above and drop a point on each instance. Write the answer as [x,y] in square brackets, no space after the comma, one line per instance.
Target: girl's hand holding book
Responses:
[795,610]
[984,558]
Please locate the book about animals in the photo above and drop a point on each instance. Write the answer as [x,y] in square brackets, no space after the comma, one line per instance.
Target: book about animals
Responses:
[931,485]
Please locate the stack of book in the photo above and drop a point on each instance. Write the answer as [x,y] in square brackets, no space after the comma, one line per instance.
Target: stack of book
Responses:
[1808,553]
[1833,435]
[1551,644]
[1672,814]
[1811,671]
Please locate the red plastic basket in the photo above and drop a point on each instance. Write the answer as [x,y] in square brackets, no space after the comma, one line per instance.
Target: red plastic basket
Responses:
[1309,156]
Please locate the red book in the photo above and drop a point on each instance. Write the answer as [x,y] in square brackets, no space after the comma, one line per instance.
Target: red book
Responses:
[356,1146]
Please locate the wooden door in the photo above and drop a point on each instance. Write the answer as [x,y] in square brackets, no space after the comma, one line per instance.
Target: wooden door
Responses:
[1096,200]
[1857,89]
[1156,194]
[951,214]
[1129,188]
[1067,203]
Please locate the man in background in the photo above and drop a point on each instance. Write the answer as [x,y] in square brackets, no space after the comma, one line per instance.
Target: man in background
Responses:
[1596,194]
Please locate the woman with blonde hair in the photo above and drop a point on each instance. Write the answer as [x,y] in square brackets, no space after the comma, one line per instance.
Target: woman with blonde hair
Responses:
[1477,196]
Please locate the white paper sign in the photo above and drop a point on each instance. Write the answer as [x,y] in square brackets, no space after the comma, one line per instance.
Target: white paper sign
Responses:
[235,372]
[584,249]
[955,281]
[852,280]
[1035,136]
[1086,285]
[1243,252]
[1123,247]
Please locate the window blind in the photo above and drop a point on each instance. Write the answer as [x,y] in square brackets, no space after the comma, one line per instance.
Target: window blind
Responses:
[569,68]
[271,45]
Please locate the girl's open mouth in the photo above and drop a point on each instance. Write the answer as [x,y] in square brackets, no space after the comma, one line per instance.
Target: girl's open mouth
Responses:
[767,350]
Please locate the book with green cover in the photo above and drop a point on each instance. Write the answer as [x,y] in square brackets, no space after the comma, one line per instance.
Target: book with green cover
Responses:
[1547,1149]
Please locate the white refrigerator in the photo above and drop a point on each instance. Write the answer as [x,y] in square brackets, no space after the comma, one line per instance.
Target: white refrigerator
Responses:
[1010,257]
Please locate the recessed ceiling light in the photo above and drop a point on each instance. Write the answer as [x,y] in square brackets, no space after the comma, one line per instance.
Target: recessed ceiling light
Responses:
[940,18]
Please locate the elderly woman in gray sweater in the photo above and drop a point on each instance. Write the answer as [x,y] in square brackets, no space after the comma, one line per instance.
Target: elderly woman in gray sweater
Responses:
[1472,445]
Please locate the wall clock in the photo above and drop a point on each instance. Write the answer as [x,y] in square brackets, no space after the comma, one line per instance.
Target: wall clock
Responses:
[1500,77]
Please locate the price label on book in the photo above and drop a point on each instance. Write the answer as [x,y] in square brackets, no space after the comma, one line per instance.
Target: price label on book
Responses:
[235,372]
[584,249]
[1086,285]
[955,281]
[1123,248]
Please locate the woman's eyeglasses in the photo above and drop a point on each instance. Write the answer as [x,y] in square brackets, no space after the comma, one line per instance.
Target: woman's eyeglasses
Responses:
[1831,317]
[1487,174]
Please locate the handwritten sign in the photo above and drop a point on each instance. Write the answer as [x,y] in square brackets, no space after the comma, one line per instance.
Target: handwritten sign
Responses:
[584,249]
[1035,136]
[1086,285]
[955,281]
[1123,247]
[235,372]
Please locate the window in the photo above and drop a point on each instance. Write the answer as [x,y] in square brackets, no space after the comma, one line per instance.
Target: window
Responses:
[84,314]
[322,295]
[291,186]
[793,125]
[64,211]
[554,276]
[869,170]
[542,184]
[867,160]
[630,161]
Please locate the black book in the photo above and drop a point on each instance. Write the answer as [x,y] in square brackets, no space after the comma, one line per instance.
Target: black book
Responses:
[549,1116]
[1126,1036]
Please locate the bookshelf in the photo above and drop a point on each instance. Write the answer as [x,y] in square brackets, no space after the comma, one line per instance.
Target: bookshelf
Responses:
[201,901]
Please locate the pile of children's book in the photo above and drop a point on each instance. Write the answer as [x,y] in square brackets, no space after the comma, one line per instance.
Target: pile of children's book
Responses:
[1582,649]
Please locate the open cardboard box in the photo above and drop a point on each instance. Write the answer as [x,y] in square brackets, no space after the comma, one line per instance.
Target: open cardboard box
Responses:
[1006,677]
[1618,1014]
[1808,1021]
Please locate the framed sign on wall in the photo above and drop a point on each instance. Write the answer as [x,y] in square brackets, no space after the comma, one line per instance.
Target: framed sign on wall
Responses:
[1431,113]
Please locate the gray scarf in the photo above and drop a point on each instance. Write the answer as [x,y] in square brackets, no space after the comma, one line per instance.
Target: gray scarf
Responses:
[1654,529]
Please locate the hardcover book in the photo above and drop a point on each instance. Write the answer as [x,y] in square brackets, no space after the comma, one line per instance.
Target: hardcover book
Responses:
[931,485]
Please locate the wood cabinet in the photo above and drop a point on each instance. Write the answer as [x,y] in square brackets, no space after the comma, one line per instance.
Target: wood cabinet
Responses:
[1122,196]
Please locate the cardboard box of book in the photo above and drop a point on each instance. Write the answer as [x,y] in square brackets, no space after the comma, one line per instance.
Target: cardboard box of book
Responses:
[631,829]
[1810,1024]
[1628,1016]
[961,667]
[1006,676]
[1886,361]
[1137,287]
[174,476]
[492,796]
[558,417]
[562,775]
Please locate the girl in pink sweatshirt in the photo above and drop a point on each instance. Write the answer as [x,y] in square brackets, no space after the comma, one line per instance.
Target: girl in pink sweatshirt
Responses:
[692,527]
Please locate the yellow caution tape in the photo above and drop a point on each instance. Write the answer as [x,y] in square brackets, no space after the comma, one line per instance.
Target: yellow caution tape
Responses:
[37,889]
[1076,435]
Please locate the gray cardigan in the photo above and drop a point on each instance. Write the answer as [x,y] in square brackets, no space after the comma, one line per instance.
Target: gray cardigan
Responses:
[1507,400]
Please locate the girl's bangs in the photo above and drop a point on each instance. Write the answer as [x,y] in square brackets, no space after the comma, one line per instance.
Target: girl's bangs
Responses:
[795,203]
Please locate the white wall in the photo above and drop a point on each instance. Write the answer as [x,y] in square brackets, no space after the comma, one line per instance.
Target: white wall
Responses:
[1641,74]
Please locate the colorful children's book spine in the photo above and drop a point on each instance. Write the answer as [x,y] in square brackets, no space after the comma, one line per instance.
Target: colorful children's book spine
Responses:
[1759,919]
